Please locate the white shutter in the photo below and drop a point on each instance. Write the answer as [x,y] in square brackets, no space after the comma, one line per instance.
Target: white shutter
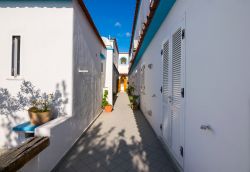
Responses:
[176,65]
[173,57]
[176,92]
[165,89]
[166,92]
[143,79]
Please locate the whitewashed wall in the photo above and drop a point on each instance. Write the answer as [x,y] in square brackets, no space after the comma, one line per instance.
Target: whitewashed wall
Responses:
[142,17]
[115,52]
[123,68]
[45,55]
[115,68]
[115,81]
[112,74]
[57,42]
[217,83]
[109,75]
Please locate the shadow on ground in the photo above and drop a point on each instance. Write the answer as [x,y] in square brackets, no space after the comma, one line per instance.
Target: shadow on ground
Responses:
[94,152]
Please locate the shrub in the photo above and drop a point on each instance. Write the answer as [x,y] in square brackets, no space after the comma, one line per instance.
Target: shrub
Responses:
[104,99]
[130,90]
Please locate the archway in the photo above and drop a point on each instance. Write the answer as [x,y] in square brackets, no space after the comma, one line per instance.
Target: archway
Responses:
[122,83]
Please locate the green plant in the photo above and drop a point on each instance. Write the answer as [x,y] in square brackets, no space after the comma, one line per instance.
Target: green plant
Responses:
[130,90]
[132,98]
[42,104]
[133,101]
[104,99]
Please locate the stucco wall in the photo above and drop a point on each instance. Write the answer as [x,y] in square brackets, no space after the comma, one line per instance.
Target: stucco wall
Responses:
[46,58]
[109,75]
[59,51]
[87,86]
[142,17]
[217,83]
[123,68]
[115,52]
[115,81]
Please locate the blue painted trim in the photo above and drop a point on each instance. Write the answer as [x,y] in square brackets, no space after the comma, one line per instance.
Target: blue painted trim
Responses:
[160,14]
[102,56]
[26,127]
[108,48]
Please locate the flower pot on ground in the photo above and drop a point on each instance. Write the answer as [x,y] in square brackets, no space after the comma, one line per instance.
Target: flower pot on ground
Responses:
[134,102]
[105,104]
[108,108]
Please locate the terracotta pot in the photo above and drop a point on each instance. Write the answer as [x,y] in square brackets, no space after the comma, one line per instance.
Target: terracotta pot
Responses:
[108,108]
[39,118]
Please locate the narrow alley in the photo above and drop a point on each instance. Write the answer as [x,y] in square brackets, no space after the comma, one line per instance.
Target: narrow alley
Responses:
[121,141]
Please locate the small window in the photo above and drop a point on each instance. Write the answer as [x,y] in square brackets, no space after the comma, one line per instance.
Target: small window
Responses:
[15,65]
[123,60]
[101,67]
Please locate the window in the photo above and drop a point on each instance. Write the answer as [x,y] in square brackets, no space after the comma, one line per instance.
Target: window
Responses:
[15,65]
[101,67]
[123,60]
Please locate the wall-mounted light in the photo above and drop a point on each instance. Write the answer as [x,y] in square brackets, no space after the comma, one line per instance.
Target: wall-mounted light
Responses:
[150,66]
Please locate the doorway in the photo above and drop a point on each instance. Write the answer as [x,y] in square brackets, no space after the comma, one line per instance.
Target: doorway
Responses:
[173,91]
[123,83]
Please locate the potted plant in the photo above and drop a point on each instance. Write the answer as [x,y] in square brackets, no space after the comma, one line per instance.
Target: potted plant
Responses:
[105,104]
[130,90]
[40,112]
[133,101]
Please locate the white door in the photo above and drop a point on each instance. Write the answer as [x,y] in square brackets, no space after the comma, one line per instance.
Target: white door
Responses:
[167,94]
[173,93]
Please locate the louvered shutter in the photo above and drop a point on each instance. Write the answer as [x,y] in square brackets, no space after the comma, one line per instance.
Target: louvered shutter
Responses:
[176,92]
[176,65]
[143,79]
[165,90]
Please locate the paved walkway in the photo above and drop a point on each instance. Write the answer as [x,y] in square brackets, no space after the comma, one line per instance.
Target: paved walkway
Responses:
[121,141]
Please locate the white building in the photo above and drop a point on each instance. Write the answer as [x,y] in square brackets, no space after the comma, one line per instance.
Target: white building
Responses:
[112,73]
[123,66]
[190,65]
[56,46]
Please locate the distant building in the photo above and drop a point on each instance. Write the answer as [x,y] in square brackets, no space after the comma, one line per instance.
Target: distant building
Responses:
[123,66]
[112,74]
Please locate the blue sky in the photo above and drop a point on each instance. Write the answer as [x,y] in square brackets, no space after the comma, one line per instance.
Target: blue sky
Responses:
[114,18]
